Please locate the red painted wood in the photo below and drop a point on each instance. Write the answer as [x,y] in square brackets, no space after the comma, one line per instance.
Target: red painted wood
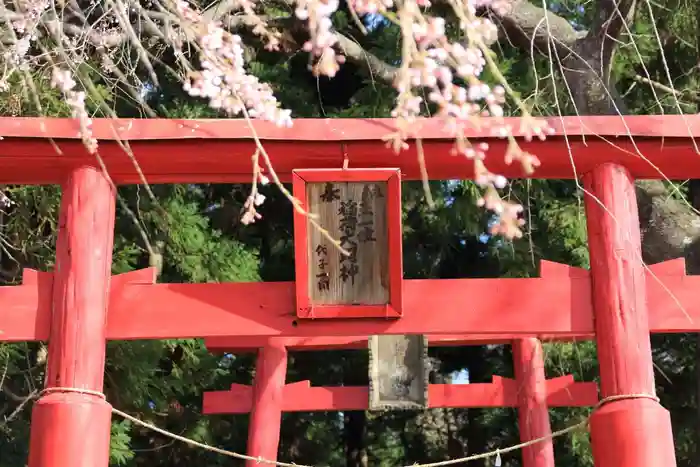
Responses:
[395,244]
[349,175]
[264,309]
[302,397]
[334,129]
[70,429]
[177,151]
[173,162]
[26,308]
[554,307]
[301,259]
[303,304]
[563,392]
[267,402]
[620,435]
[347,312]
[533,413]
[467,306]
[140,276]
[672,298]
[619,429]
[297,344]
[246,344]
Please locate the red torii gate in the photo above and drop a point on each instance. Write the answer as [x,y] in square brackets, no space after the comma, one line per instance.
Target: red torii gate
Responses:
[71,422]
[270,395]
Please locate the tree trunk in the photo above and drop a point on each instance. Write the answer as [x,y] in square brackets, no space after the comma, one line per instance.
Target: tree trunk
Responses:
[670,226]
[476,435]
[694,188]
[355,451]
[355,423]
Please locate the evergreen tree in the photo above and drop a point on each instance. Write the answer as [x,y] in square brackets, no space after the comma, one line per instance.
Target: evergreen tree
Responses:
[194,232]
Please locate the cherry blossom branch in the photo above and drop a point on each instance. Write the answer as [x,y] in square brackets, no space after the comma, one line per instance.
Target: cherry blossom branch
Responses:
[430,63]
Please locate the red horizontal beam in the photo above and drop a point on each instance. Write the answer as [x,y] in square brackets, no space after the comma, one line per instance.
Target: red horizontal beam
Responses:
[244,344]
[335,129]
[190,151]
[557,304]
[502,392]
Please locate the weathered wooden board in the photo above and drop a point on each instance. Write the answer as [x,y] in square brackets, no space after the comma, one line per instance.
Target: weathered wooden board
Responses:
[398,372]
[355,214]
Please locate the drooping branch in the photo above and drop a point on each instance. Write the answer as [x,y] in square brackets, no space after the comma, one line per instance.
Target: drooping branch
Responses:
[527,24]
[608,23]
[670,226]
[523,25]
[377,68]
[519,25]
[220,9]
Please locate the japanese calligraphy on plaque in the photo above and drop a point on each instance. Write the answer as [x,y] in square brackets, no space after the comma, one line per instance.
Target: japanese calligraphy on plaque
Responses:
[355,214]
[398,372]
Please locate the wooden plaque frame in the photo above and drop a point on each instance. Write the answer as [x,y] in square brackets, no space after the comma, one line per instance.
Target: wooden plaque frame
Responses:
[392,178]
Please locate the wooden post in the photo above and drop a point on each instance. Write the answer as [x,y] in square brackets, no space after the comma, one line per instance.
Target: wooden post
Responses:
[268,394]
[533,413]
[69,428]
[632,429]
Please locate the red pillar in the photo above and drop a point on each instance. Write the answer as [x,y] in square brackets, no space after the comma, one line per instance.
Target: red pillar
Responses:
[533,413]
[268,393]
[72,429]
[632,431]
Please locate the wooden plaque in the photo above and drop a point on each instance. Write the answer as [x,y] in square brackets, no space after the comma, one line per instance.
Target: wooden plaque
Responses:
[398,373]
[360,208]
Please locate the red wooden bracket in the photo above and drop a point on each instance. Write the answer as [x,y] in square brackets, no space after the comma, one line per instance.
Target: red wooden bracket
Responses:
[145,276]
[25,310]
[550,269]
[501,392]
[672,301]
[562,391]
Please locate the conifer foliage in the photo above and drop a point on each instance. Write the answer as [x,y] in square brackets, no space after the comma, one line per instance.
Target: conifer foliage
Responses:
[197,233]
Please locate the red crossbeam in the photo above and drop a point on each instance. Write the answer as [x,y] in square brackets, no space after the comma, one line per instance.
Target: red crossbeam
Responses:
[166,149]
[246,344]
[558,305]
[501,392]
